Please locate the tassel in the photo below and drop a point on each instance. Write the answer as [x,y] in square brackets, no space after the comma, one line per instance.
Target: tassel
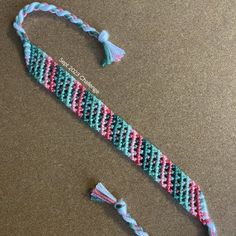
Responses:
[101,194]
[112,52]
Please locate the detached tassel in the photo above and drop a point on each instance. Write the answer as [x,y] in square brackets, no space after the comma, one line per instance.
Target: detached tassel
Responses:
[101,194]
[112,52]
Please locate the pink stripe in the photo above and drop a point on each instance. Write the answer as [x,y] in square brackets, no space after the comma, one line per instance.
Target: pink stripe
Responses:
[104,111]
[76,88]
[80,109]
[192,189]
[52,77]
[138,157]
[164,158]
[109,125]
[197,190]
[169,177]
[46,79]
[133,136]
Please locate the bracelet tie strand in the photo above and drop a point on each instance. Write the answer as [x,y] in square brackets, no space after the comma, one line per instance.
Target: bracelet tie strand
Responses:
[101,194]
[46,71]
[112,52]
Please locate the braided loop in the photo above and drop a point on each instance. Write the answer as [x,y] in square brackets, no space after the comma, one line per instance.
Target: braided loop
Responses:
[111,51]
[45,7]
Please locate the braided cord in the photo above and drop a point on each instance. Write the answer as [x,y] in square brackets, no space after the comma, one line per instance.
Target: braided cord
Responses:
[36,6]
[101,194]
[111,51]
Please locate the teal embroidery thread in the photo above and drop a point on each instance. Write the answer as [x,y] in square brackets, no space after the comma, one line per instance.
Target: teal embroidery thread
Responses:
[99,117]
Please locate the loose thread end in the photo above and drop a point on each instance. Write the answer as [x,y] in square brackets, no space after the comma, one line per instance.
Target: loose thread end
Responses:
[206,220]
[212,229]
[112,52]
[101,194]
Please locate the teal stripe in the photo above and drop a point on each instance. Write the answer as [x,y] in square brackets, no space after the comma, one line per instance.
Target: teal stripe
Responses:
[98,122]
[31,62]
[182,177]
[69,94]
[127,143]
[123,127]
[177,171]
[187,194]
[150,169]
[36,65]
[62,97]
[157,167]
[42,68]
[116,126]
[94,101]
[145,154]
[88,100]
[58,81]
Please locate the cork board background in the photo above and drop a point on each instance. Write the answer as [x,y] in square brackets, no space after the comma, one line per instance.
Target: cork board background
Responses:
[176,86]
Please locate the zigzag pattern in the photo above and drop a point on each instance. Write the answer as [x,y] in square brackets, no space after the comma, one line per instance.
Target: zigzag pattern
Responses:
[123,136]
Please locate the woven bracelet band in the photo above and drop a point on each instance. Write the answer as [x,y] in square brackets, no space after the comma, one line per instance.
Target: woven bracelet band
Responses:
[102,119]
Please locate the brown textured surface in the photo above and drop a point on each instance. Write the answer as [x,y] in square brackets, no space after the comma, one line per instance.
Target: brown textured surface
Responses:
[176,86]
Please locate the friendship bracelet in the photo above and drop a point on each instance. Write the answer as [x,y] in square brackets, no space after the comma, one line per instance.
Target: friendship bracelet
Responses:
[102,119]
[101,194]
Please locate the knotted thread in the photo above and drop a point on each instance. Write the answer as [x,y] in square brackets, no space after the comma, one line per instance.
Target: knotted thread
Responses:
[112,52]
[101,194]
[94,112]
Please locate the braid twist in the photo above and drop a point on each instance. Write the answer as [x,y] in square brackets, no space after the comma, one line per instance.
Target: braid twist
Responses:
[101,194]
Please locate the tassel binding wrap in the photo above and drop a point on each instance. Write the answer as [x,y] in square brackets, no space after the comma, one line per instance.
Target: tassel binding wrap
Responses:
[101,194]
[45,70]
[111,51]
